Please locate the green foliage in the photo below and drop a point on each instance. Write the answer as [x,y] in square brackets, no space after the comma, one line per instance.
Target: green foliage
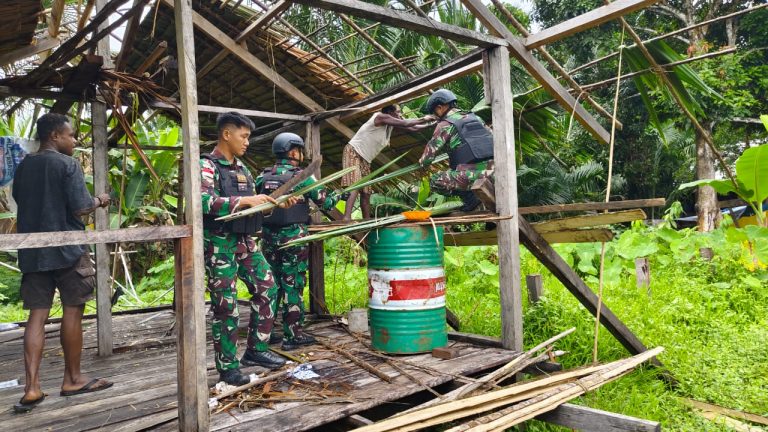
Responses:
[751,180]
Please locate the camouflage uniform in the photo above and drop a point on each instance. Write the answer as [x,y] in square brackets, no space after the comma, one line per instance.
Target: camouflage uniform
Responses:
[289,265]
[444,139]
[228,257]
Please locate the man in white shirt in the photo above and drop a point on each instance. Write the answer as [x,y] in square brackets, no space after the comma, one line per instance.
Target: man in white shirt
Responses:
[368,142]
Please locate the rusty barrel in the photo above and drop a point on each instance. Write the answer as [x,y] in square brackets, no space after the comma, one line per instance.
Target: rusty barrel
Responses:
[406,284]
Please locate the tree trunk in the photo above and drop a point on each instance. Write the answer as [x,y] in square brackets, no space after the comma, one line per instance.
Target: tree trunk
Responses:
[706,201]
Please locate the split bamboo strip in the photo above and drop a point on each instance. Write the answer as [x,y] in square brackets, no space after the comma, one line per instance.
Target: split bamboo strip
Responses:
[500,421]
[394,174]
[367,225]
[284,198]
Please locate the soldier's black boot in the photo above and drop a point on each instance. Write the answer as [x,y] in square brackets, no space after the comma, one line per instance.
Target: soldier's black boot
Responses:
[470,200]
[234,377]
[298,341]
[266,359]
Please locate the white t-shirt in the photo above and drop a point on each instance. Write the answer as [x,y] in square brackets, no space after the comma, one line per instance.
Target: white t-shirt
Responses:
[370,139]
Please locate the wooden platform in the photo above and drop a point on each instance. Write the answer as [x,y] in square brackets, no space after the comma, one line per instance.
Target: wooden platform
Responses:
[144,373]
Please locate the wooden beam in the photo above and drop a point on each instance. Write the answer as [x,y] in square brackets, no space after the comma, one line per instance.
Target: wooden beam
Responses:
[585,21]
[593,206]
[191,358]
[153,57]
[131,30]
[34,93]
[416,90]
[100,183]
[590,220]
[406,20]
[66,238]
[275,10]
[101,216]
[246,112]
[571,280]
[81,80]
[535,287]
[537,70]
[29,50]
[316,249]
[261,68]
[590,419]
[510,290]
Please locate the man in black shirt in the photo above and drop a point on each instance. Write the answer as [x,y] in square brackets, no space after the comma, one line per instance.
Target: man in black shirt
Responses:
[49,189]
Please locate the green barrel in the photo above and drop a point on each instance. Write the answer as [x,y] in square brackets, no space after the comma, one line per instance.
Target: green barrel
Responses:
[406,289]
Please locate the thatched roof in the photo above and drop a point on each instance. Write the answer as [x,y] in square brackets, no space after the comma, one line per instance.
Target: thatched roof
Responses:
[19,23]
[233,84]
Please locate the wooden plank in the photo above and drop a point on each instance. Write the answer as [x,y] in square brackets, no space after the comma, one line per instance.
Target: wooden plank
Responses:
[406,20]
[190,307]
[585,21]
[153,57]
[565,274]
[535,287]
[129,37]
[275,10]
[316,249]
[591,220]
[29,50]
[593,206]
[101,216]
[497,65]
[246,112]
[537,70]
[741,415]
[590,419]
[25,92]
[64,238]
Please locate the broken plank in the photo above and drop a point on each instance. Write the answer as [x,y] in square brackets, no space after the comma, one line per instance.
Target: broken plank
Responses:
[590,419]
[591,220]
[593,206]
[754,418]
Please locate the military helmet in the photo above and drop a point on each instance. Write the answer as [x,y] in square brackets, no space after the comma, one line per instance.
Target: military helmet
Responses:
[285,142]
[440,97]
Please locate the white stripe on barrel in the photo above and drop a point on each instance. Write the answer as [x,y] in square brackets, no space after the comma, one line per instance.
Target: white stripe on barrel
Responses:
[413,289]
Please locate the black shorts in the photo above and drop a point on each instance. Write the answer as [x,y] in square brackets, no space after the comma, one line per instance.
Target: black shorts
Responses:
[75,284]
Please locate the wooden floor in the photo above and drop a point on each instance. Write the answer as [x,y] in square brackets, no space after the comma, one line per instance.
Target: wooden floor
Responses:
[144,372]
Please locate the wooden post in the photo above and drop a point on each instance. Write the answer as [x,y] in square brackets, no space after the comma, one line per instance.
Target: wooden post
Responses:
[101,215]
[643,272]
[535,287]
[706,253]
[191,370]
[497,72]
[316,249]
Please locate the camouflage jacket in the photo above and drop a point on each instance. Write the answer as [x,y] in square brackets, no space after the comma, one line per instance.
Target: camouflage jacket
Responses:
[444,139]
[213,203]
[320,196]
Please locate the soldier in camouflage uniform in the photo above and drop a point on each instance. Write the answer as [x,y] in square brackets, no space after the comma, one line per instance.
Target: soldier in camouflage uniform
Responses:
[289,265]
[231,252]
[469,145]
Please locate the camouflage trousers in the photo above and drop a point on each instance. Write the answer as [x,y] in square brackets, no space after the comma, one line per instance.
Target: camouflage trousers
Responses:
[289,266]
[450,181]
[227,258]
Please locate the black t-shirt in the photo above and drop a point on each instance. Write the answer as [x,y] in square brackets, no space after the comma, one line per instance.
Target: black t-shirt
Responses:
[49,189]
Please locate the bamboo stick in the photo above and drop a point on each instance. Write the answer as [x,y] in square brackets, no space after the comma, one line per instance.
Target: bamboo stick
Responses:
[354,359]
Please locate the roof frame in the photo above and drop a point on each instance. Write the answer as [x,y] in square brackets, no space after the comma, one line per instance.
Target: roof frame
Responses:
[406,20]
